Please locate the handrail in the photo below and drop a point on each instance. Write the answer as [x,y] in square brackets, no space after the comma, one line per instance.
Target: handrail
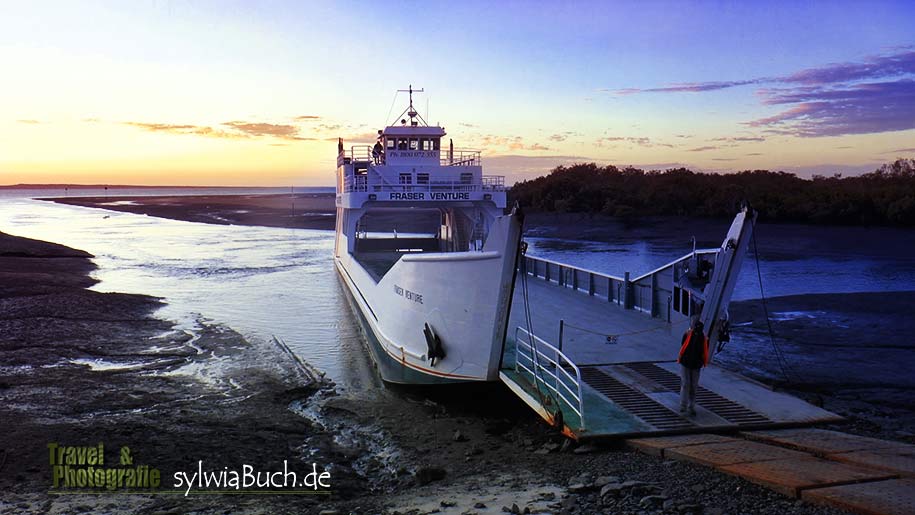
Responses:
[683,258]
[361,183]
[532,344]
[566,265]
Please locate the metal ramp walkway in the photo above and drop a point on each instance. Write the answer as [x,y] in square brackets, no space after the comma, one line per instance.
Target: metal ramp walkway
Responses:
[612,372]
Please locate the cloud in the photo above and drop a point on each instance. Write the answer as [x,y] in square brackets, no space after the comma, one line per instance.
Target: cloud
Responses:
[227,130]
[187,129]
[562,136]
[740,139]
[689,87]
[306,118]
[755,154]
[638,141]
[703,149]
[723,159]
[873,95]
[29,122]
[257,129]
[900,150]
[894,65]
[835,111]
[510,142]
[361,138]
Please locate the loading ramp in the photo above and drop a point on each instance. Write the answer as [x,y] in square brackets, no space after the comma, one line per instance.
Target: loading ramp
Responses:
[612,371]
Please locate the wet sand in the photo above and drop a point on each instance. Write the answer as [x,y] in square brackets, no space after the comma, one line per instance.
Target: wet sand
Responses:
[80,367]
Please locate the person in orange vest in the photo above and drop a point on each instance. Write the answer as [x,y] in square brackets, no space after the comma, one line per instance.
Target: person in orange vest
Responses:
[693,356]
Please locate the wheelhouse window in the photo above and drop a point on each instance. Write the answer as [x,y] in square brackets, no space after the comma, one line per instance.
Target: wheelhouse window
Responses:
[391,143]
[466,178]
[401,143]
[406,178]
[435,144]
[414,144]
[422,178]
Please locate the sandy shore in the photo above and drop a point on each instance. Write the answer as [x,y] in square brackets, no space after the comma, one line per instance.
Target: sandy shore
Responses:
[82,367]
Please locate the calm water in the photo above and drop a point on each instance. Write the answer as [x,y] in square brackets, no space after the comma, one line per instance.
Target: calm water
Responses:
[264,281]
[793,259]
[259,281]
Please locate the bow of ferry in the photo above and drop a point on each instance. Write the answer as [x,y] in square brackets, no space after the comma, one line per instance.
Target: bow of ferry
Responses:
[426,253]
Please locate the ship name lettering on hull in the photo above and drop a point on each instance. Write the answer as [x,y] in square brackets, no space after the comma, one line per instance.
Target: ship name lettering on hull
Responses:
[409,295]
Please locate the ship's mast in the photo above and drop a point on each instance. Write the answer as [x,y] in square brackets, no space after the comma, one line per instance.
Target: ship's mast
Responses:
[410,111]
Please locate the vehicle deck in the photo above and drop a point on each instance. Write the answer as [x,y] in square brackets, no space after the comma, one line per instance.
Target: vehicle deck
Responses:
[630,382]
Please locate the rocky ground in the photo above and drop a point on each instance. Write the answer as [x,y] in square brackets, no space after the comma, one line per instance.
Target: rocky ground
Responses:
[79,367]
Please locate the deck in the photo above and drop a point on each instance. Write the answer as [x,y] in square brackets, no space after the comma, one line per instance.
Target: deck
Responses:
[626,360]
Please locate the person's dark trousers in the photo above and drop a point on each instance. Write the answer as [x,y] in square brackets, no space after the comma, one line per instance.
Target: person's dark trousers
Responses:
[689,384]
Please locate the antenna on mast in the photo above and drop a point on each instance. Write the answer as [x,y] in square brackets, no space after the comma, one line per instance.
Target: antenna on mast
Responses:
[411,111]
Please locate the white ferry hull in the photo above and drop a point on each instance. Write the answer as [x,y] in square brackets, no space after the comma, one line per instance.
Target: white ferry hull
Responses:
[464,297]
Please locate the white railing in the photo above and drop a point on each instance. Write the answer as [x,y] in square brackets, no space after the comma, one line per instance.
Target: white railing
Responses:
[643,293]
[456,157]
[361,183]
[460,157]
[550,368]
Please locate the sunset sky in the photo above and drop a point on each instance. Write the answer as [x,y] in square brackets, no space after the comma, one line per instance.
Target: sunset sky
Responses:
[255,93]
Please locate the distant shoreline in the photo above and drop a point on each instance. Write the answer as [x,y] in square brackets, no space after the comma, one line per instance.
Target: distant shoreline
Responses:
[300,210]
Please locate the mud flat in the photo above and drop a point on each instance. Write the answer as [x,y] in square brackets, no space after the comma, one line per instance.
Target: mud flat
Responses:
[81,367]
[301,210]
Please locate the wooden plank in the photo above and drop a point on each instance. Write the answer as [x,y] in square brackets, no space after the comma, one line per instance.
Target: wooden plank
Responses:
[732,453]
[657,446]
[792,476]
[821,441]
[900,461]
[891,497]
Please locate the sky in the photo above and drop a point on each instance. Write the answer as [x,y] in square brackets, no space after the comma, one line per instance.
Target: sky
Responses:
[178,92]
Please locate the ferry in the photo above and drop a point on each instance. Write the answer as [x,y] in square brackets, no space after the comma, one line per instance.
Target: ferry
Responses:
[427,252]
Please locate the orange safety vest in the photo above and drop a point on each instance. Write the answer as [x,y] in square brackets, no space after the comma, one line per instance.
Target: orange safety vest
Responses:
[689,336]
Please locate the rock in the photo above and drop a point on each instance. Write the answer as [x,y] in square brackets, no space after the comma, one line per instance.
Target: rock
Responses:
[541,451]
[426,475]
[605,480]
[712,511]
[668,505]
[459,436]
[699,488]
[515,509]
[650,501]
[578,488]
[547,496]
[611,489]
[689,508]
[329,512]
[552,446]
[506,509]
[567,446]
[584,449]
[447,504]
[479,506]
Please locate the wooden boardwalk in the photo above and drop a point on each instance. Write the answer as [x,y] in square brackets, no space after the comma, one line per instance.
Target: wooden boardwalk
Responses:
[630,382]
[816,465]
